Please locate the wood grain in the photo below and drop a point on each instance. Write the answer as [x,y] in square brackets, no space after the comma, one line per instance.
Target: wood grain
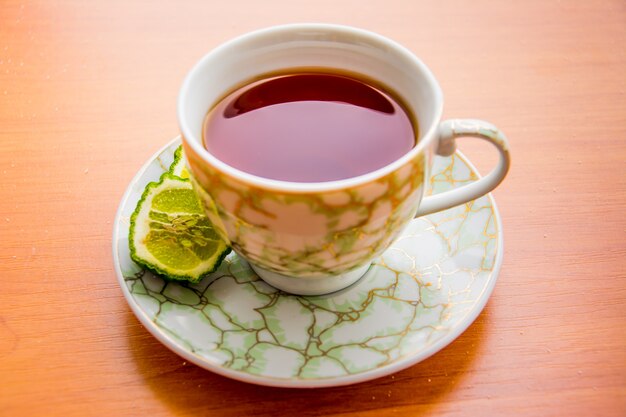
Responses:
[87,94]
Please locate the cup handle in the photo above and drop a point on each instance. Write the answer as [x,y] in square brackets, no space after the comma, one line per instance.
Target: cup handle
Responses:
[448,131]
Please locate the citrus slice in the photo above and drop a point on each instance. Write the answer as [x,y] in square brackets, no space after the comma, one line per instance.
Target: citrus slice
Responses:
[170,234]
[179,166]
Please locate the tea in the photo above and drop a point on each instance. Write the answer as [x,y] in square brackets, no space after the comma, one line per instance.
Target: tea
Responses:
[309,127]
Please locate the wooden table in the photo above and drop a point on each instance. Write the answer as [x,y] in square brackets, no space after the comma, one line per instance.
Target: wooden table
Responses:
[87,94]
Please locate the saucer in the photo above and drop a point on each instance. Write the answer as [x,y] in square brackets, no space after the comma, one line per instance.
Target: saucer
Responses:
[415,299]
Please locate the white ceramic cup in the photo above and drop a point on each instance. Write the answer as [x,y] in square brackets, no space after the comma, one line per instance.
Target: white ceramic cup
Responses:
[315,238]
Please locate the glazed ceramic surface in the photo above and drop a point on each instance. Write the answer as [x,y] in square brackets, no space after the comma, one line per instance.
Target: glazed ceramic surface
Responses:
[319,231]
[309,234]
[417,297]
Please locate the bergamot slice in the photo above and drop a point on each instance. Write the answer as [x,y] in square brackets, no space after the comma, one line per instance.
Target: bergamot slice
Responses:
[179,166]
[170,234]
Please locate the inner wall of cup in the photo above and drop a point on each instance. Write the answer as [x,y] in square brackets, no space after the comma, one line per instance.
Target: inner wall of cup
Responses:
[244,59]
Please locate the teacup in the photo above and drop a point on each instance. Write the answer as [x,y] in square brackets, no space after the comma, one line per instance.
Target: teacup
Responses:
[316,238]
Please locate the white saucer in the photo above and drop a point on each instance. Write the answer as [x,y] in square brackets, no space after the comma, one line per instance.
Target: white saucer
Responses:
[420,295]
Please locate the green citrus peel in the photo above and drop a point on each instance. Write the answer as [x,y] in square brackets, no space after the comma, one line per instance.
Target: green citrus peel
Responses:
[169,232]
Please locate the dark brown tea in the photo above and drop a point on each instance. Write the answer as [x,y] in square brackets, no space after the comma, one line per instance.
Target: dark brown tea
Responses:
[308,127]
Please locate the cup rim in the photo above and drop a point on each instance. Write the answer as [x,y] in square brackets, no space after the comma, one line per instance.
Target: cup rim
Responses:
[293,186]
